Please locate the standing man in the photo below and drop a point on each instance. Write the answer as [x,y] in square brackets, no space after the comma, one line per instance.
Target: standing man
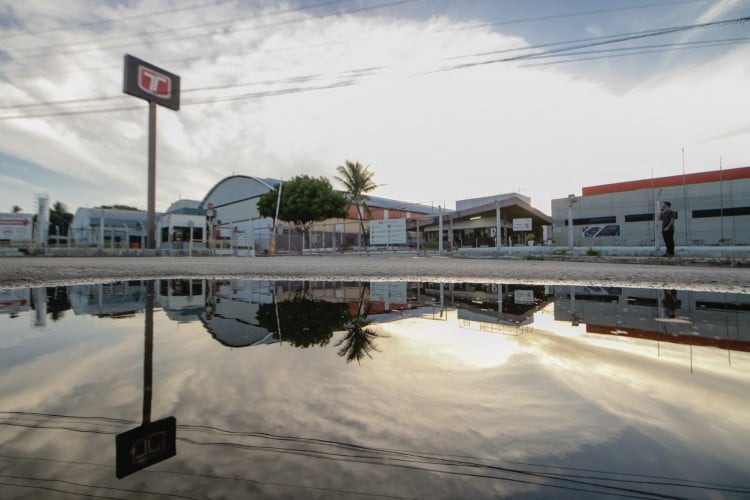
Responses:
[667,217]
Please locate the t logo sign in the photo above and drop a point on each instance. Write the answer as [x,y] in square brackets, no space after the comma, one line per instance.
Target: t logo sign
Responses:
[160,88]
[144,80]
[154,83]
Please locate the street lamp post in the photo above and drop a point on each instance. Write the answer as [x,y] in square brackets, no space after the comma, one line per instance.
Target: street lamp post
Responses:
[571,200]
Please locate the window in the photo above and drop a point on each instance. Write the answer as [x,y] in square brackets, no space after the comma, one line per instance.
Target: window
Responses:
[639,217]
[587,221]
[717,212]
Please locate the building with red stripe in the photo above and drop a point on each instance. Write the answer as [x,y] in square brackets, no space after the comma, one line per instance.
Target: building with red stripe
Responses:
[713,208]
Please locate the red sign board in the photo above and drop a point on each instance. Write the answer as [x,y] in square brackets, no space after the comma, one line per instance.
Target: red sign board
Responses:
[15,227]
[152,83]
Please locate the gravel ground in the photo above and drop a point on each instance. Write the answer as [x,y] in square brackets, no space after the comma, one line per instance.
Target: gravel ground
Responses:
[598,271]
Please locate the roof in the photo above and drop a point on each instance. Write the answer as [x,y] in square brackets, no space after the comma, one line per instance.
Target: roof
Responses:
[375,201]
[191,207]
[269,183]
[485,200]
[672,180]
[110,214]
[513,207]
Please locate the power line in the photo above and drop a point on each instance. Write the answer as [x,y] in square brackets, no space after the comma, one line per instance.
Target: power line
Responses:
[92,486]
[598,42]
[516,21]
[604,482]
[210,100]
[114,20]
[292,79]
[642,49]
[571,49]
[36,113]
[46,52]
[579,14]
[203,25]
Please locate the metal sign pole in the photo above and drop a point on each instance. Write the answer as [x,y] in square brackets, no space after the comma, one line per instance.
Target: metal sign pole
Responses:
[148,356]
[151,216]
[157,86]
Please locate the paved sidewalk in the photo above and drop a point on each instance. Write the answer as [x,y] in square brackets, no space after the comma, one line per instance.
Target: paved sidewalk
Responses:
[598,271]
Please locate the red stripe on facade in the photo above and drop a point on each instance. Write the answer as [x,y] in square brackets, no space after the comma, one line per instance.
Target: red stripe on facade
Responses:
[673,180]
[696,340]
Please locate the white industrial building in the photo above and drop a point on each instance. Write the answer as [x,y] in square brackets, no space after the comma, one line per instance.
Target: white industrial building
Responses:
[117,228]
[109,228]
[234,205]
[235,217]
[713,208]
[183,221]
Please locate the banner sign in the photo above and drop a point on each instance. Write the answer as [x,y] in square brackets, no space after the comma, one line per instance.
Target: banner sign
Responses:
[388,232]
[523,296]
[522,224]
[16,227]
[391,292]
[152,83]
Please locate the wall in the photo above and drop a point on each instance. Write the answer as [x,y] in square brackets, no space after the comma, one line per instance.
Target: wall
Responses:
[698,207]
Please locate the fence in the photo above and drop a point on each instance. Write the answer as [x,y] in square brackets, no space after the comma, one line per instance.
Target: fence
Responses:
[333,237]
[321,237]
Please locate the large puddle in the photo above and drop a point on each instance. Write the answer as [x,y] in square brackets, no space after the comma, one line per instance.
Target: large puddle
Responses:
[235,389]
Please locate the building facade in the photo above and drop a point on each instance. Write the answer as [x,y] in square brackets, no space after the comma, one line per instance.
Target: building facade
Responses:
[477,222]
[117,228]
[234,215]
[109,228]
[713,208]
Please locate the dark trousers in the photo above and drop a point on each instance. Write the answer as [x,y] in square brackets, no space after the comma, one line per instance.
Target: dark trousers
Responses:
[668,240]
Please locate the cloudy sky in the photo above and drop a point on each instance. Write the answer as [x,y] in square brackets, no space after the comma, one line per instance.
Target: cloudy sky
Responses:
[443,100]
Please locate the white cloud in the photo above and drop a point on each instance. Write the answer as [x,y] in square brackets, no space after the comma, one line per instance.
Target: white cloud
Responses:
[428,136]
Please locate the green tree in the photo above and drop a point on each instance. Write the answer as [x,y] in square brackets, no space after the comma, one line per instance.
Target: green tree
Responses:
[60,217]
[304,200]
[357,179]
[301,321]
[17,209]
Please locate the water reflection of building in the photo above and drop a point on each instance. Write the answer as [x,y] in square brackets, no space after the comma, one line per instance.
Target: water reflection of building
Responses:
[242,313]
[230,312]
[377,297]
[183,300]
[118,299]
[14,301]
[492,306]
[688,317]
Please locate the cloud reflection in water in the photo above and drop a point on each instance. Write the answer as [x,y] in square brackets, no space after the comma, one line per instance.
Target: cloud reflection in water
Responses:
[444,397]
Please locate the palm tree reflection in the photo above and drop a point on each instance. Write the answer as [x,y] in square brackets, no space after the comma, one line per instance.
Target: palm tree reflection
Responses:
[359,340]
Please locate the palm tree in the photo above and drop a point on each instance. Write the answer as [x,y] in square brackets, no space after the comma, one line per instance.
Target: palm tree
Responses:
[357,179]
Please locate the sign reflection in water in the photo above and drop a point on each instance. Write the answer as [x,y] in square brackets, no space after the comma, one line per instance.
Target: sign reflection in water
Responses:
[316,389]
[151,442]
